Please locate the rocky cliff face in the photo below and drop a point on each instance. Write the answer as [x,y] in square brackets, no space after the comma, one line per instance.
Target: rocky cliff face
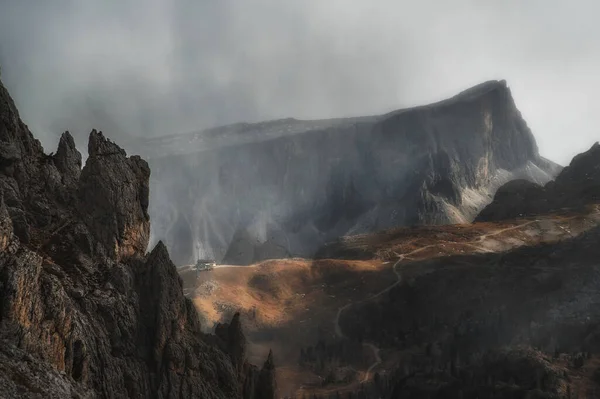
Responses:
[84,311]
[117,213]
[246,191]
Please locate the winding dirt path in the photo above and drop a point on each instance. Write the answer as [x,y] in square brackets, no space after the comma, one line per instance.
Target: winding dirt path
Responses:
[376,350]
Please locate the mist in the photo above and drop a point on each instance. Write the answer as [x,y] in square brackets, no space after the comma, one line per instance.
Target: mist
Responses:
[133,68]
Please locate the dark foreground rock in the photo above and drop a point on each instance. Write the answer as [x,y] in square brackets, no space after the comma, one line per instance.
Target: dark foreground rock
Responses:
[85,312]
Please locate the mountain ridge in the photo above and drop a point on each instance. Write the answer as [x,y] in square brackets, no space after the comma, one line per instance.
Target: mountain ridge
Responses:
[469,94]
[438,164]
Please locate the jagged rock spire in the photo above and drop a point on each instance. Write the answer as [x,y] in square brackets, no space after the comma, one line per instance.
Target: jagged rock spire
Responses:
[113,196]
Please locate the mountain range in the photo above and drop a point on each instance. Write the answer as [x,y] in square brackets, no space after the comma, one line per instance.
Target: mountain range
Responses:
[440,257]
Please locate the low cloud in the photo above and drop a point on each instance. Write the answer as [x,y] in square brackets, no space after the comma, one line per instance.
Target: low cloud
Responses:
[161,67]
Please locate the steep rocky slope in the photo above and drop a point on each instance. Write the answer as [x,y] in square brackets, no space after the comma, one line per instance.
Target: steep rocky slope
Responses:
[576,186]
[84,310]
[253,191]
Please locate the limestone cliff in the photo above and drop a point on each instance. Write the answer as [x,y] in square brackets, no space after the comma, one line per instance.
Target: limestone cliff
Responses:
[84,311]
[288,186]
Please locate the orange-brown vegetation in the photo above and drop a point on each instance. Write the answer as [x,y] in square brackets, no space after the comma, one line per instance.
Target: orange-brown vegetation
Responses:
[289,304]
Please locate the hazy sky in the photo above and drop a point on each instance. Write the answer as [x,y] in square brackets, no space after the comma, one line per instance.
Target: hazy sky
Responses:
[155,67]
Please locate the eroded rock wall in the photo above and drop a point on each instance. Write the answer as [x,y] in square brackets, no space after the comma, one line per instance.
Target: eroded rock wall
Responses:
[84,310]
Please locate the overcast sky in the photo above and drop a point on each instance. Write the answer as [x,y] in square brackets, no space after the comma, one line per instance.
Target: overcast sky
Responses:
[150,67]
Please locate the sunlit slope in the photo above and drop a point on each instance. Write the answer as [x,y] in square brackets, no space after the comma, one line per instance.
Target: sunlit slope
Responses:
[288,305]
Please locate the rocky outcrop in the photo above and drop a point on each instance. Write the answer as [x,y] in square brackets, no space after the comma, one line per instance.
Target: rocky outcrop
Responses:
[84,311]
[576,186]
[267,387]
[308,182]
[234,340]
[256,383]
[68,159]
[113,196]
